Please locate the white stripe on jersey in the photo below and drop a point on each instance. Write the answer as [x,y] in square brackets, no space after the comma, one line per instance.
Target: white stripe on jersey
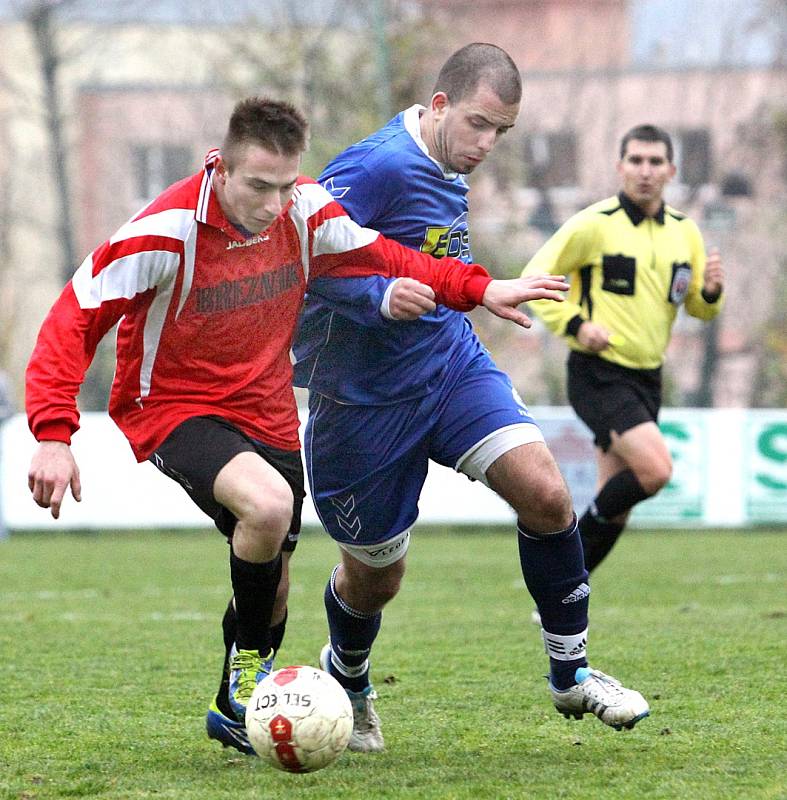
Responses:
[335,235]
[174,223]
[340,234]
[125,277]
[205,189]
[302,229]
[154,324]
[309,198]
[189,256]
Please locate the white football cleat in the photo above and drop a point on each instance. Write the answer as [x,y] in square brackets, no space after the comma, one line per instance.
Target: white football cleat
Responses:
[367,735]
[603,696]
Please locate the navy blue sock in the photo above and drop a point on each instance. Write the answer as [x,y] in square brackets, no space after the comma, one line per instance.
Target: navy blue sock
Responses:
[352,636]
[255,592]
[554,571]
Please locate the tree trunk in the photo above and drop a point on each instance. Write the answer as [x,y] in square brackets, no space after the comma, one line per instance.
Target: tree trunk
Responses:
[40,19]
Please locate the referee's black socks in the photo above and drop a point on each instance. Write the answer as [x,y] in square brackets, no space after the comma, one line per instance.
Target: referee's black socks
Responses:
[599,533]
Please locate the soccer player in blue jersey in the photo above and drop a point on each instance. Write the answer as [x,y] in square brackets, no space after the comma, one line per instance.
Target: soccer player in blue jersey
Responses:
[395,381]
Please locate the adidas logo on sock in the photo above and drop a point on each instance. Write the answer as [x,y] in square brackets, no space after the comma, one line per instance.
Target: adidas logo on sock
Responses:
[580,593]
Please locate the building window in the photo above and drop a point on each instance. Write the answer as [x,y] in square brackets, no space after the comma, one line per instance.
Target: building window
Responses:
[693,156]
[552,159]
[157,166]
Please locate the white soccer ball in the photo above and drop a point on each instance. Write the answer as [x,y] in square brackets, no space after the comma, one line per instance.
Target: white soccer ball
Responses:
[299,719]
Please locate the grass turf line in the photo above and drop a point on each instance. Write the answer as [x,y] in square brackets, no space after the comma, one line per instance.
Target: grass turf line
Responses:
[111,649]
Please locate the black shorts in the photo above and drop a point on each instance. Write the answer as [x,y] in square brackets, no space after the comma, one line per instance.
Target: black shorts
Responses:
[608,397]
[195,452]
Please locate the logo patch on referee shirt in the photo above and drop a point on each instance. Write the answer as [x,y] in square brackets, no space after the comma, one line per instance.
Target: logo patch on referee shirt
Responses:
[679,286]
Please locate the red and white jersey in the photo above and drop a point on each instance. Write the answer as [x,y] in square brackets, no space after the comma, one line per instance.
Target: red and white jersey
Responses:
[207,316]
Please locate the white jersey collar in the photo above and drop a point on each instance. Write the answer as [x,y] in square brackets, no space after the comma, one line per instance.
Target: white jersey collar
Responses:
[412,124]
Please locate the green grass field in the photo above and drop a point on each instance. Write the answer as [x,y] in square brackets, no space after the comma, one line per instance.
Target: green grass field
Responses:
[111,648]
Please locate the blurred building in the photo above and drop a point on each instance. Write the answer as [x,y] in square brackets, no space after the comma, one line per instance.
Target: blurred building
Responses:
[711,72]
[144,89]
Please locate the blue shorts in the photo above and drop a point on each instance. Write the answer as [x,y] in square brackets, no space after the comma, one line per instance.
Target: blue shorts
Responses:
[367,464]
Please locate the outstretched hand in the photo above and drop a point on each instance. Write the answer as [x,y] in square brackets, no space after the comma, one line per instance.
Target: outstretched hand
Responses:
[503,297]
[52,470]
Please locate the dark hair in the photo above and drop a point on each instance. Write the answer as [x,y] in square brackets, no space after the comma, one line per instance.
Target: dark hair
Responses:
[275,125]
[647,133]
[478,63]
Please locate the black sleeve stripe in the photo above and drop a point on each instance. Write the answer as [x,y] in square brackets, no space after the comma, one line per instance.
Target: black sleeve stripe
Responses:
[585,298]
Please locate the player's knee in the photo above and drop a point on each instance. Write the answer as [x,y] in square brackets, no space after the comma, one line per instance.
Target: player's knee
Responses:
[384,590]
[269,515]
[656,476]
[372,592]
[655,481]
[550,510]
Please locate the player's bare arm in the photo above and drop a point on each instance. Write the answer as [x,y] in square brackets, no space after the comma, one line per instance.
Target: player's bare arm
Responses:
[713,283]
[53,470]
[501,298]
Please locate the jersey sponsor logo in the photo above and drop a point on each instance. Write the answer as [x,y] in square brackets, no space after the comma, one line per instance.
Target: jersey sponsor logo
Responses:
[679,286]
[247,291]
[336,191]
[260,237]
[448,240]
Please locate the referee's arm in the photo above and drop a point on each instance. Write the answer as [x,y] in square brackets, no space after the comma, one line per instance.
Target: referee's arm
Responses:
[565,252]
[705,296]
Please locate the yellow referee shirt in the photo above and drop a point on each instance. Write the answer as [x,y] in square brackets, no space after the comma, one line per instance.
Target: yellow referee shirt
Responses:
[629,273]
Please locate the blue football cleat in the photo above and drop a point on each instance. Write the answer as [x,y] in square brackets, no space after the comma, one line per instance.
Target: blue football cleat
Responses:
[229,732]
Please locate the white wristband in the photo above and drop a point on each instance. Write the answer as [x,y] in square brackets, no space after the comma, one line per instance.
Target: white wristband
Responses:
[385,307]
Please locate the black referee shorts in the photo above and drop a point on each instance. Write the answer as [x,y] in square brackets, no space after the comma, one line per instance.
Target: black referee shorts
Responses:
[196,451]
[608,397]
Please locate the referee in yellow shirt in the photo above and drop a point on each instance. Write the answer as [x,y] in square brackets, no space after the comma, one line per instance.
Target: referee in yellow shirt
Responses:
[632,261]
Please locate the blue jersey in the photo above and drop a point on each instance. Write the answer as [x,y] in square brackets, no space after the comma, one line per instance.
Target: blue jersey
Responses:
[345,348]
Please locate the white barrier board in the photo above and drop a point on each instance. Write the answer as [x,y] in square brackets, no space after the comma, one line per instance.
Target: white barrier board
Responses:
[730,470]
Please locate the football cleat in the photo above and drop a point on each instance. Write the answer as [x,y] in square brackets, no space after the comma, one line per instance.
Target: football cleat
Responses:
[247,669]
[367,734]
[603,696]
[227,731]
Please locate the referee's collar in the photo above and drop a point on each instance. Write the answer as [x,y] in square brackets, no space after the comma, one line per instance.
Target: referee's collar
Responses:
[636,214]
